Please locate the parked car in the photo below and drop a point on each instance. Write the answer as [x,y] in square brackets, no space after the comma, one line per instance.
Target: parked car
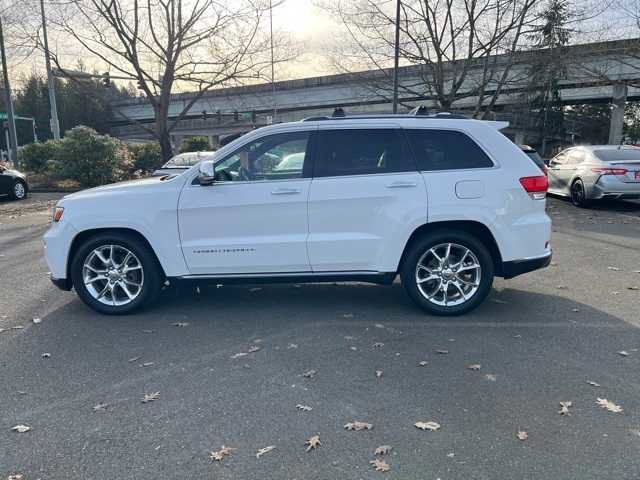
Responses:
[533,154]
[595,172]
[445,203]
[181,163]
[13,183]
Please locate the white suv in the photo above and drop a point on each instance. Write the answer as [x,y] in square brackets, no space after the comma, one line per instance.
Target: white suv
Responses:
[444,202]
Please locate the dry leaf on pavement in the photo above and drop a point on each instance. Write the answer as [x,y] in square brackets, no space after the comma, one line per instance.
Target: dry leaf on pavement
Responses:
[313,442]
[254,349]
[46,355]
[304,408]
[609,405]
[475,367]
[380,465]
[564,408]
[16,476]
[180,324]
[522,435]
[150,397]
[623,353]
[442,352]
[615,269]
[592,383]
[309,374]
[379,373]
[378,345]
[357,426]
[491,377]
[423,363]
[264,450]
[433,426]
[147,364]
[220,454]
[134,359]
[21,428]
[37,320]
[383,450]
[101,407]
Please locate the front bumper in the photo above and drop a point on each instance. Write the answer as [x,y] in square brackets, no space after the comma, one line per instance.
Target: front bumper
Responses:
[518,267]
[62,283]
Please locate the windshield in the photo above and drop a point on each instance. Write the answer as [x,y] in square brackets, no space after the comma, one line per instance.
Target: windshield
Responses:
[186,160]
[618,155]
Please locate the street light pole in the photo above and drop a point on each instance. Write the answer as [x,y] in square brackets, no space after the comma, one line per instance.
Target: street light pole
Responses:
[11,121]
[273,75]
[55,124]
[396,59]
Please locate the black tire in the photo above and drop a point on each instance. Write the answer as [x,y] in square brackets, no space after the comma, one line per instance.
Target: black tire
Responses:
[153,274]
[15,191]
[422,245]
[578,194]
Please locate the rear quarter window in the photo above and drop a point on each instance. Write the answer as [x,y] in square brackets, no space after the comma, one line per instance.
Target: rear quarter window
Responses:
[446,150]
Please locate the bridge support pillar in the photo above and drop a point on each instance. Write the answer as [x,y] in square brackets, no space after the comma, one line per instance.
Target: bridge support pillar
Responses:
[618,102]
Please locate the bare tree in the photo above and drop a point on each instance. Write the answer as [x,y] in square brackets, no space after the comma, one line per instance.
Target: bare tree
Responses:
[170,45]
[460,48]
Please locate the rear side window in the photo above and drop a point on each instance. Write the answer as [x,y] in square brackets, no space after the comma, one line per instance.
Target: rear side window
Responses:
[361,152]
[446,150]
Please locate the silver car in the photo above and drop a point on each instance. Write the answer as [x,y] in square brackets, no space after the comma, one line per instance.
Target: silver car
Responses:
[595,172]
[181,163]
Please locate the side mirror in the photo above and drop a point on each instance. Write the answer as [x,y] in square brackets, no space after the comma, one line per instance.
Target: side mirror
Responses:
[206,172]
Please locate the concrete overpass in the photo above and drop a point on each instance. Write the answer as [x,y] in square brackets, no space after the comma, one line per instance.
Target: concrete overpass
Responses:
[606,72]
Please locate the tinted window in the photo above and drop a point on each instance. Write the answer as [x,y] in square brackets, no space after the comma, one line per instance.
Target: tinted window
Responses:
[615,155]
[274,157]
[537,159]
[446,150]
[360,152]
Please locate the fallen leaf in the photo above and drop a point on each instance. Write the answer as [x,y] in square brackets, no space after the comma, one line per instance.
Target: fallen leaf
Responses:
[357,426]
[378,345]
[147,364]
[615,293]
[592,383]
[264,450]
[46,355]
[564,408]
[180,324]
[150,397]
[220,454]
[442,352]
[21,428]
[304,408]
[353,349]
[575,310]
[313,442]
[380,465]
[615,269]
[379,325]
[491,377]
[379,373]
[517,336]
[623,353]
[609,405]
[633,288]
[433,426]
[100,407]
[383,450]
[475,367]
[309,374]
[522,435]
[254,349]
[134,359]
[37,320]
[423,363]
[238,355]
[292,346]
[16,476]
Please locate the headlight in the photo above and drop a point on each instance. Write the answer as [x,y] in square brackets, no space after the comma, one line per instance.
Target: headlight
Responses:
[57,214]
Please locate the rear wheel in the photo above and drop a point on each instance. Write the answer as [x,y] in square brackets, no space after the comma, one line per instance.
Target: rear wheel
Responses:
[578,194]
[447,272]
[115,273]
[19,190]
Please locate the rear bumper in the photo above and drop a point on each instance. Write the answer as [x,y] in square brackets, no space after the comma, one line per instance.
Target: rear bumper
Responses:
[62,283]
[518,267]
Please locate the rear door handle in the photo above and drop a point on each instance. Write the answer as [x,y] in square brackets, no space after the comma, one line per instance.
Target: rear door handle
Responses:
[402,185]
[285,191]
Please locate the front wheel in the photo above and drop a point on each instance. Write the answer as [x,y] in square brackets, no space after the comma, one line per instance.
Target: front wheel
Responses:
[115,273]
[19,190]
[447,272]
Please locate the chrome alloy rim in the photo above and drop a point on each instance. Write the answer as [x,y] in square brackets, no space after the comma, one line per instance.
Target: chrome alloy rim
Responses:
[448,274]
[113,275]
[18,190]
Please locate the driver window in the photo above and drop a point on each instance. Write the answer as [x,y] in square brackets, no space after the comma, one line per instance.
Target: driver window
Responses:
[559,159]
[275,157]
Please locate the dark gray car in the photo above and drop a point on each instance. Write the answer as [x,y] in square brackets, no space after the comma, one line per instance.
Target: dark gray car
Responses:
[13,183]
[595,172]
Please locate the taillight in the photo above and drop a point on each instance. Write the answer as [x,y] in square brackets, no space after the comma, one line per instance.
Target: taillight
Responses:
[610,171]
[536,187]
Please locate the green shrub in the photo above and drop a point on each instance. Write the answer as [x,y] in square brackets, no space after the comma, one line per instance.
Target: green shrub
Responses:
[195,144]
[146,157]
[34,157]
[90,158]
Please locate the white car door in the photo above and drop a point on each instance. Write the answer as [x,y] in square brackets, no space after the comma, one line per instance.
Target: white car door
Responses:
[253,218]
[366,198]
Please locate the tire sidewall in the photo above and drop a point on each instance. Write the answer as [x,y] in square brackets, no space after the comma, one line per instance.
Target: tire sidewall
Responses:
[152,272]
[578,203]
[423,244]
[13,190]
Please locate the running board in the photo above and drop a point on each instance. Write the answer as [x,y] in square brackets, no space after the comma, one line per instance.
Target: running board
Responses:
[382,278]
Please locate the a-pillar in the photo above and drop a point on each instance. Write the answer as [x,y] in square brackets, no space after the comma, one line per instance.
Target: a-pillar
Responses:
[618,102]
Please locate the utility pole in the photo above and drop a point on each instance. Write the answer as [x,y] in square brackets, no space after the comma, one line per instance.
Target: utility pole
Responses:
[11,121]
[273,75]
[396,59]
[55,124]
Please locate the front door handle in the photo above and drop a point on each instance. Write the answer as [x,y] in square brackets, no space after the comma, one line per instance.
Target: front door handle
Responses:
[402,185]
[285,191]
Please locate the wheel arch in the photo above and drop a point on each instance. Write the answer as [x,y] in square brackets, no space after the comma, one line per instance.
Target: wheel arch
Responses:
[477,229]
[84,235]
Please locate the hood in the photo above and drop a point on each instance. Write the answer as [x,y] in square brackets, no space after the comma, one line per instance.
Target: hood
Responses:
[126,186]
[14,173]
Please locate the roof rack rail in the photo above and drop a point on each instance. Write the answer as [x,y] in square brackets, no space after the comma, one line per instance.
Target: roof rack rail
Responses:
[419,111]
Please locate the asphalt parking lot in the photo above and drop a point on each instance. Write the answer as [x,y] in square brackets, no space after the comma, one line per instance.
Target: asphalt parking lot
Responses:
[228,363]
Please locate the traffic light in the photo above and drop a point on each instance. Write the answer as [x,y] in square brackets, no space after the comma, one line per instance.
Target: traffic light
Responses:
[106,80]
